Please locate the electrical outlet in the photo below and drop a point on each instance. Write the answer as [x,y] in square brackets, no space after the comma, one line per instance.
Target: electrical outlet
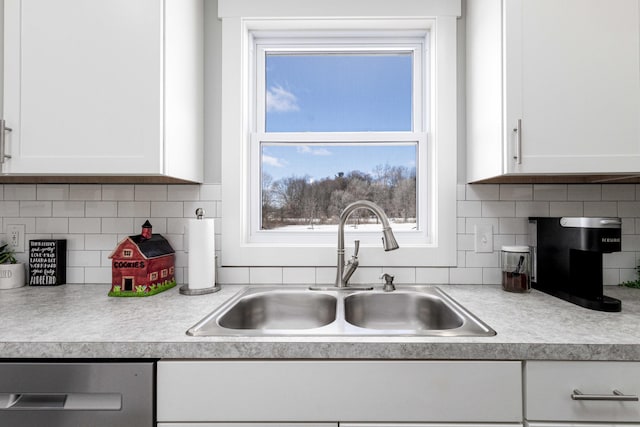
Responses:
[483,237]
[15,236]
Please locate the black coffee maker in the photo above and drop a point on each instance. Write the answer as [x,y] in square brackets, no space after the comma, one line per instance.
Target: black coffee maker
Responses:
[567,258]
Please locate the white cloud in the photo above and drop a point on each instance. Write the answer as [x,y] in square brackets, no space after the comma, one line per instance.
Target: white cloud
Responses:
[305,149]
[273,161]
[281,100]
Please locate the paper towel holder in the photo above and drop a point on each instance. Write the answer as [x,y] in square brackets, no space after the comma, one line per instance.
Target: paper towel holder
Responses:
[184,289]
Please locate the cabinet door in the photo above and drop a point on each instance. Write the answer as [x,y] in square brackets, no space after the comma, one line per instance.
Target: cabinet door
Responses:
[83,86]
[553,391]
[572,74]
[345,391]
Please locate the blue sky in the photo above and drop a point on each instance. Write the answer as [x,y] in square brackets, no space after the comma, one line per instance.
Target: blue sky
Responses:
[341,92]
[337,93]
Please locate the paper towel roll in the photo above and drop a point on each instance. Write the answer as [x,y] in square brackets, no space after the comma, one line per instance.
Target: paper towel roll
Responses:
[202,254]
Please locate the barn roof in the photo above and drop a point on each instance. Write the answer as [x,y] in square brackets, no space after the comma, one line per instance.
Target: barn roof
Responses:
[156,246]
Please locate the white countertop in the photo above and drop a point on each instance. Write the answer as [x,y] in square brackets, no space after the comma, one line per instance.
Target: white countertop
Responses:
[81,321]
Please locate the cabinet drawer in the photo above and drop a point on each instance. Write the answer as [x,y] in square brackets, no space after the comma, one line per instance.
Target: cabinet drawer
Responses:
[550,385]
[325,391]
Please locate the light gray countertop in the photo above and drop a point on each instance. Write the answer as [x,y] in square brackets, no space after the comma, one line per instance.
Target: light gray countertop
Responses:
[80,321]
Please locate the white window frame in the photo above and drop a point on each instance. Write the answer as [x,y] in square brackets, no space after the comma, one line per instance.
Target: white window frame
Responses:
[241,19]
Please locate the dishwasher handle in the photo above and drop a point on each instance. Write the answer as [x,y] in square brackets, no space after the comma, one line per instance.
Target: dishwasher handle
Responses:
[60,401]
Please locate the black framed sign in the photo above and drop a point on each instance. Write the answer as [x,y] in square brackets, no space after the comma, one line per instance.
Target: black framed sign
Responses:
[47,262]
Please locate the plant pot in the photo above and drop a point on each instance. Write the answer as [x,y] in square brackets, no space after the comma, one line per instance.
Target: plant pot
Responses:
[12,276]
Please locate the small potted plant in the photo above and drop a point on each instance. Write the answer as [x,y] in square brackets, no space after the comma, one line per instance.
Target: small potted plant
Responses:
[12,272]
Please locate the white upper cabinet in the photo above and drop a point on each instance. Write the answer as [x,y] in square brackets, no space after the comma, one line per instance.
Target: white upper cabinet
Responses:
[553,87]
[110,87]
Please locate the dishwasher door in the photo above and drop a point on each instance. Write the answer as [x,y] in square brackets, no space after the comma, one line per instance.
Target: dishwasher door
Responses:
[65,394]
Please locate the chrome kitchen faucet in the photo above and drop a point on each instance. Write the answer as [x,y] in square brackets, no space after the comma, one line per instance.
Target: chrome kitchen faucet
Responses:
[388,241]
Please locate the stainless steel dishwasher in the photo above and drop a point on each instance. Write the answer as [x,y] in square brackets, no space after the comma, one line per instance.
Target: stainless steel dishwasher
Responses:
[77,394]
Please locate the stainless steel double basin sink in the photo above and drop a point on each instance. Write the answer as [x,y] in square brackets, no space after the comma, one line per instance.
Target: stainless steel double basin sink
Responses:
[295,311]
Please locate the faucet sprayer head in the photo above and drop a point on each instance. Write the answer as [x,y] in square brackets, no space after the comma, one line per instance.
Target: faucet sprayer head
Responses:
[389,240]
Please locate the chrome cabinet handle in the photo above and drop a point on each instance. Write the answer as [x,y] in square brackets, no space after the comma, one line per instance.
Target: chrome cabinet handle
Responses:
[518,131]
[617,396]
[3,129]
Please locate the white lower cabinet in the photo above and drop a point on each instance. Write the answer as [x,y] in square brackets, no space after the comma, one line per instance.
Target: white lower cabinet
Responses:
[570,393]
[353,393]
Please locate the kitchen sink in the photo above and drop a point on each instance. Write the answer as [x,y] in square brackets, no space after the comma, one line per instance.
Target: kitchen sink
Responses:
[280,310]
[400,311]
[297,311]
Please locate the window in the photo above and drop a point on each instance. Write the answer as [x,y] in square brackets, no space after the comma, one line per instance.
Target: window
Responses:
[338,118]
[332,111]
[127,253]
[164,273]
[153,276]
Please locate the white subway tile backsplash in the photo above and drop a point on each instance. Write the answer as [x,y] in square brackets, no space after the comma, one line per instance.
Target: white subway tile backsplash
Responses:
[465,276]
[177,225]
[35,208]
[19,192]
[75,242]
[498,209]
[610,277]
[548,192]
[97,275]
[233,275]
[129,209]
[167,209]
[93,218]
[466,242]
[566,208]
[183,192]
[432,275]
[84,259]
[265,275]
[151,192]
[52,191]
[119,225]
[628,226]
[469,208]
[584,192]
[85,192]
[52,225]
[516,192]
[629,209]
[325,275]
[75,275]
[101,209]
[118,192]
[68,208]
[514,226]
[299,276]
[482,259]
[483,192]
[619,192]
[527,209]
[618,259]
[84,225]
[491,276]
[9,208]
[100,241]
[367,275]
[600,209]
